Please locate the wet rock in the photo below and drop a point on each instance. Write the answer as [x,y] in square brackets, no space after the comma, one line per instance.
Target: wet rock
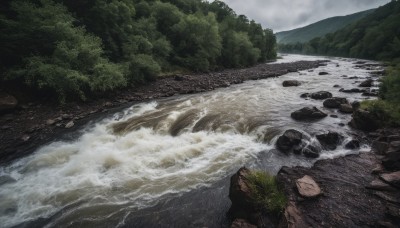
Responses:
[241,223]
[292,217]
[346,108]
[308,113]
[335,102]
[289,83]
[330,140]
[305,95]
[321,95]
[7,102]
[239,190]
[380,147]
[367,83]
[50,122]
[353,144]
[353,90]
[355,105]
[334,116]
[311,151]
[380,186]
[69,124]
[307,187]
[370,94]
[323,73]
[364,120]
[391,178]
[289,140]
[336,86]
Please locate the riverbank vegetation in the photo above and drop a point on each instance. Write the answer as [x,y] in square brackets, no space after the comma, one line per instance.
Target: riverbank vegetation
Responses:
[266,193]
[72,50]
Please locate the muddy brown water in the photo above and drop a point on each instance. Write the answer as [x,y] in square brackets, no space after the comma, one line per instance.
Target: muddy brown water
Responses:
[167,163]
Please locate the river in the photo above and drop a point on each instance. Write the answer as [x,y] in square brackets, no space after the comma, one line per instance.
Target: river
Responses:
[167,163]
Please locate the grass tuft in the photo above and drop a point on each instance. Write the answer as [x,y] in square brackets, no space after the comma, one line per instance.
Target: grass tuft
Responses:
[266,192]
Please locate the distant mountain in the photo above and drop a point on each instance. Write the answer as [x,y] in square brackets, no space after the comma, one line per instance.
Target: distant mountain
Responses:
[376,36]
[319,28]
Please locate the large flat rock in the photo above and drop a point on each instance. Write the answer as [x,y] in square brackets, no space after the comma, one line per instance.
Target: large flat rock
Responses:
[346,201]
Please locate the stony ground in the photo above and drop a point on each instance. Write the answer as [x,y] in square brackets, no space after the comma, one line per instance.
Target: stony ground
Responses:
[360,190]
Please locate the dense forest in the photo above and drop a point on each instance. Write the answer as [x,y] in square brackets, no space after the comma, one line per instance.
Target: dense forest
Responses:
[320,28]
[77,49]
[376,36]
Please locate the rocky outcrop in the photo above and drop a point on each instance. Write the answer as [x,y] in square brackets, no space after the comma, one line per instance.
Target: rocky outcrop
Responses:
[352,144]
[290,83]
[289,140]
[308,113]
[346,201]
[296,142]
[321,95]
[239,190]
[335,102]
[346,108]
[7,102]
[364,120]
[367,83]
[330,140]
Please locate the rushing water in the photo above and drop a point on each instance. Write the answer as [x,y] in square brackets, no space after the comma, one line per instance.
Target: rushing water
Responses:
[156,150]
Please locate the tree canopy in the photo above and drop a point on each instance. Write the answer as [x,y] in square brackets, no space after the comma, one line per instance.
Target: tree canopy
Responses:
[76,49]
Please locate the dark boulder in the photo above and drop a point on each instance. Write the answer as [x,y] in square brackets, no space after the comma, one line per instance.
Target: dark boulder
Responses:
[311,151]
[335,102]
[330,140]
[353,144]
[304,95]
[364,120]
[308,113]
[355,105]
[321,95]
[367,83]
[323,73]
[7,102]
[290,83]
[290,139]
[239,190]
[346,108]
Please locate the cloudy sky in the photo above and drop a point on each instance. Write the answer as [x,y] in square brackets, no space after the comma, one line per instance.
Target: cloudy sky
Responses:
[288,14]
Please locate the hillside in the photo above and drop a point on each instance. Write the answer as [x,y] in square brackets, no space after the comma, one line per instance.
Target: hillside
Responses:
[319,28]
[376,36]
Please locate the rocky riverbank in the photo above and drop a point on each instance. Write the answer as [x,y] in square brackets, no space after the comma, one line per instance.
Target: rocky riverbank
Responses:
[359,190]
[26,126]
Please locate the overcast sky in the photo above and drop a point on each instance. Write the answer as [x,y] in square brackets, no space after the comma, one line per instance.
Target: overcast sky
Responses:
[283,15]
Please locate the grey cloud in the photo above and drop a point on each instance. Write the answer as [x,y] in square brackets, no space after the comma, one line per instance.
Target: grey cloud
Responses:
[288,14]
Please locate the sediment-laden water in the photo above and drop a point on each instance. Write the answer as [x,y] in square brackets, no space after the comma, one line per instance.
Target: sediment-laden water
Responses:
[155,151]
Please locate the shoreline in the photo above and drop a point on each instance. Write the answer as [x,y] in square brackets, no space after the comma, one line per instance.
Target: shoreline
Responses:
[33,125]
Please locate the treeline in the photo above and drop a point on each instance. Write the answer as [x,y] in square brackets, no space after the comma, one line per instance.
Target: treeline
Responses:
[376,36]
[76,49]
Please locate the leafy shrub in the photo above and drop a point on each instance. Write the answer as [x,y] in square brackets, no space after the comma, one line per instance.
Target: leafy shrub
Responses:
[143,68]
[387,113]
[266,192]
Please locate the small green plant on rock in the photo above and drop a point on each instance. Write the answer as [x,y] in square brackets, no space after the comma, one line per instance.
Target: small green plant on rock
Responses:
[266,192]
